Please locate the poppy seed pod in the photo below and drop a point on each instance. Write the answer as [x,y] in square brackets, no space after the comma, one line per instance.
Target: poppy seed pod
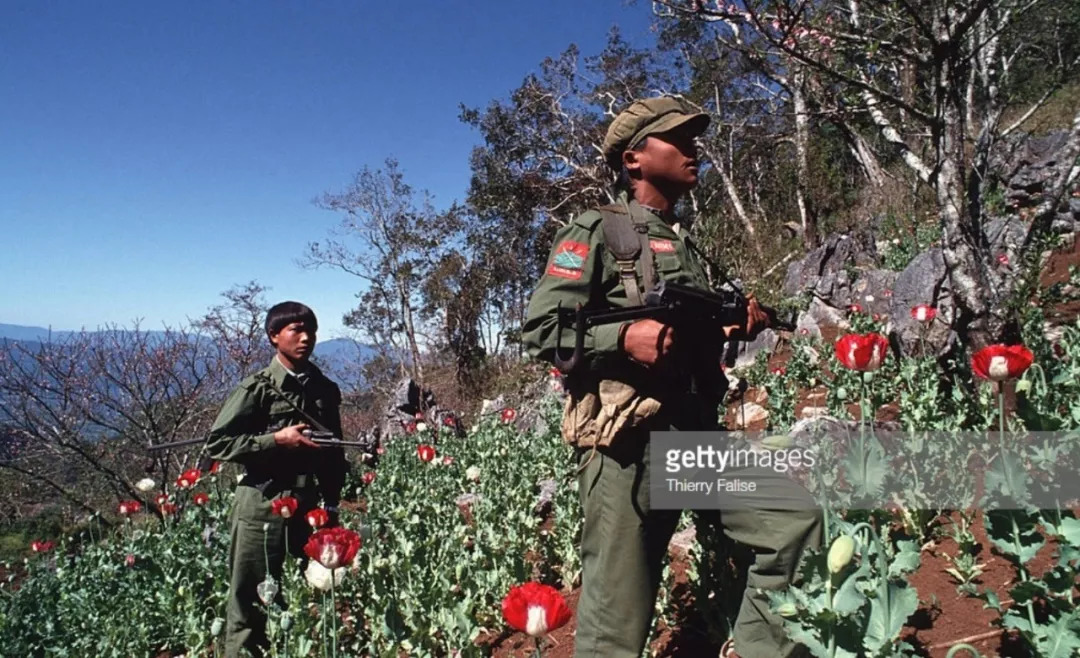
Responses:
[840,553]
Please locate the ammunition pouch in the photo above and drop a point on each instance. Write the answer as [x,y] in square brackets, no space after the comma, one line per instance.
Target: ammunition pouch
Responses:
[596,413]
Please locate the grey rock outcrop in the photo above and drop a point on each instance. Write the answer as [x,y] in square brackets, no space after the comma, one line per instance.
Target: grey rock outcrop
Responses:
[923,281]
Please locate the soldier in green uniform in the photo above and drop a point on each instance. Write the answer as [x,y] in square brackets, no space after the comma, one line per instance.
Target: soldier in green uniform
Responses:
[636,377]
[261,426]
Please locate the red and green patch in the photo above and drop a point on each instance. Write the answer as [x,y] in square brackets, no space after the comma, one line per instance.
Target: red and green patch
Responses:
[662,246]
[569,260]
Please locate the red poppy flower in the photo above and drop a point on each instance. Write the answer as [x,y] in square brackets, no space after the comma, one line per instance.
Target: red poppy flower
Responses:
[555,372]
[876,317]
[368,477]
[333,547]
[923,312]
[449,421]
[886,292]
[535,608]
[284,506]
[425,452]
[862,351]
[410,427]
[188,478]
[508,415]
[1003,258]
[447,460]
[1000,362]
[854,308]
[215,467]
[161,499]
[129,507]
[779,371]
[317,517]
[39,546]
[168,508]
[380,450]
[129,560]
[201,498]
[419,415]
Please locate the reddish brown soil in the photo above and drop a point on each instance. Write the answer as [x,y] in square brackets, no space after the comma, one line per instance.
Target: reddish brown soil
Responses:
[1057,271]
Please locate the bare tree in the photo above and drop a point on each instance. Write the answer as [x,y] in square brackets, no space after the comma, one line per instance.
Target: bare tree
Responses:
[392,243]
[78,411]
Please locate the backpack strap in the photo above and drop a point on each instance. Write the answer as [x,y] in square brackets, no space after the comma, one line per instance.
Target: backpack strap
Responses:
[626,235]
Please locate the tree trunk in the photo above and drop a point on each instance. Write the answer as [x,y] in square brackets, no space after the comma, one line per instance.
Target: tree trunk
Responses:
[410,335]
[802,168]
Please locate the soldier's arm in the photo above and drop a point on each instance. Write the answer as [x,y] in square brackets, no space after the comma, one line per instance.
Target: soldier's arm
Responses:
[574,274]
[239,430]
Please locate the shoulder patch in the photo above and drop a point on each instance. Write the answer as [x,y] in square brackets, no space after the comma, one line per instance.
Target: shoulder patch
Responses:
[569,260]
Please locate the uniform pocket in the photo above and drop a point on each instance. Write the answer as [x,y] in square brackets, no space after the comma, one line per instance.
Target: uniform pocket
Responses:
[281,414]
[667,262]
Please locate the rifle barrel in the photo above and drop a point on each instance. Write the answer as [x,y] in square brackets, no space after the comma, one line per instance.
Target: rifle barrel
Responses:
[174,444]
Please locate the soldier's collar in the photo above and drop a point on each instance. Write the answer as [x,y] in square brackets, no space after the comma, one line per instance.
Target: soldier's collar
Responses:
[667,216]
[280,372]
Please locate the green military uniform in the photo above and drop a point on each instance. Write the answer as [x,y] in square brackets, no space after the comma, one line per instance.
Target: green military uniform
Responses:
[243,433]
[624,542]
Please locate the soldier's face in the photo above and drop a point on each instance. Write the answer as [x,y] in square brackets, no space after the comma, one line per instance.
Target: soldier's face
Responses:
[295,342]
[669,160]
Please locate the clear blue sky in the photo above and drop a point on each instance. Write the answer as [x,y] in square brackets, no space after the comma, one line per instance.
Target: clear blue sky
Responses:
[153,154]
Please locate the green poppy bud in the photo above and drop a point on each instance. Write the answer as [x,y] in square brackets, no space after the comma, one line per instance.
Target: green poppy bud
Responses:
[286,621]
[787,610]
[1023,386]
[841,393]
[868,376]
[217,626]
[778,442]
[843,548]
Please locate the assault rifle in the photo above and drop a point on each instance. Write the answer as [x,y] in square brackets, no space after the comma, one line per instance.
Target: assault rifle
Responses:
[317,437]
[705,313]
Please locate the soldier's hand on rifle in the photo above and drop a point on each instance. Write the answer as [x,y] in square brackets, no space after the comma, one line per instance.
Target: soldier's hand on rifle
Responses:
[648,341]
[293,437]
[756,321]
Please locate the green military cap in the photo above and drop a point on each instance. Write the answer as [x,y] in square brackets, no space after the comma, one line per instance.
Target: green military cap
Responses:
[650,116]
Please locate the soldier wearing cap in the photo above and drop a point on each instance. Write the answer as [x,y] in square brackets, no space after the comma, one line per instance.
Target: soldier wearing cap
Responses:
[636,378]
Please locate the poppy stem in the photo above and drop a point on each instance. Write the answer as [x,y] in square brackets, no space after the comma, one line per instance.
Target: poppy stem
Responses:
[322,626]
[333,615]
[536,654]
[1001,408]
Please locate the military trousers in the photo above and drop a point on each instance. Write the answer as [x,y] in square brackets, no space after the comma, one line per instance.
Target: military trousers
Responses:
[624,543]
[259,548]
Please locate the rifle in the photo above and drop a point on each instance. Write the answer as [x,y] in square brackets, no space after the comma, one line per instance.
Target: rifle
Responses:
[670,303]
[328,439]
[317,437]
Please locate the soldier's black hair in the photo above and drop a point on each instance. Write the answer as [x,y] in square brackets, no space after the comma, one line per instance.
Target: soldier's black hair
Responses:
[282,315]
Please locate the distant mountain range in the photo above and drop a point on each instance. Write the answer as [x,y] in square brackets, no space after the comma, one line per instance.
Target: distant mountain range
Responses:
[333,355]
